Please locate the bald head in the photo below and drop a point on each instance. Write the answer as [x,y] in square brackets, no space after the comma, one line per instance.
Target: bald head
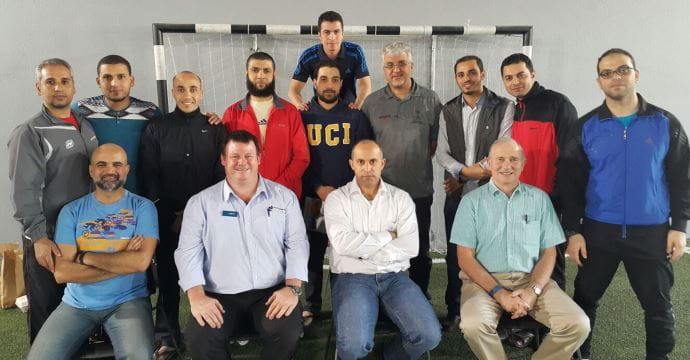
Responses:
[367,145]
[109,167]
[367,162]
[506,161]
[507,143]
[187,91]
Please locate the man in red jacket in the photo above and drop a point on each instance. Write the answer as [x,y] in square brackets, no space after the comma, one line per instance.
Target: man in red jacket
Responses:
[274,121]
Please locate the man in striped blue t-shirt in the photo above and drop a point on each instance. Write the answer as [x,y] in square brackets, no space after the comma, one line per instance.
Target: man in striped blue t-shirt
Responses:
[506,233]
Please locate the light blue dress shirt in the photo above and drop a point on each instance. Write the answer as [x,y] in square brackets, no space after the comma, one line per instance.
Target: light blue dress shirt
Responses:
[231,247]
[507,234]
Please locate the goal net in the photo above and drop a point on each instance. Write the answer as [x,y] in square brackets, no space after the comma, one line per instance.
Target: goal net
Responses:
[219,59]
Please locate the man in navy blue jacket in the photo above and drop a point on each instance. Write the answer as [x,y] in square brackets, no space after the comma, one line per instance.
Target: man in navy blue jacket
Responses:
[333,128]
[626,173]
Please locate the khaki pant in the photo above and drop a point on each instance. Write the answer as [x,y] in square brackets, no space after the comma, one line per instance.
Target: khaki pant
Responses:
[479,315]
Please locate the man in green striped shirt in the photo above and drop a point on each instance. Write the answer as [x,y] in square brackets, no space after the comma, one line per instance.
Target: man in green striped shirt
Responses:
[506,234]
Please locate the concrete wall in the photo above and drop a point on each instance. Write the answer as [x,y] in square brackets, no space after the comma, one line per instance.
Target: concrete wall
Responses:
[568,37]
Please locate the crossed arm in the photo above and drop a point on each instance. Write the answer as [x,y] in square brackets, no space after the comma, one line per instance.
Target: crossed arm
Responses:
[136,257]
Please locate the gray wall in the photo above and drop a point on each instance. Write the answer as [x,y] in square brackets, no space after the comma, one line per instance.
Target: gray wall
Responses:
[568,37]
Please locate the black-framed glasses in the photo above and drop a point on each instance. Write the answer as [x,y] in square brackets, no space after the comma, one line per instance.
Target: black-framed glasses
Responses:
[621,71]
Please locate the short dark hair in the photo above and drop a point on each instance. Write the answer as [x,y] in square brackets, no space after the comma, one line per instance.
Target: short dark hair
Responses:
[260,55]
[516,59]
[465,58]
[243,137]
[613,51]
[326,63]
[330,16]
[113,60]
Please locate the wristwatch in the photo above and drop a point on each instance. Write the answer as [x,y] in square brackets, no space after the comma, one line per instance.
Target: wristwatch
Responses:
[537,290]
[297,290]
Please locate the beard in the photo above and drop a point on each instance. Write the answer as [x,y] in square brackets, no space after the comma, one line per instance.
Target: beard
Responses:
[110,183]
[328,100]
[265,92]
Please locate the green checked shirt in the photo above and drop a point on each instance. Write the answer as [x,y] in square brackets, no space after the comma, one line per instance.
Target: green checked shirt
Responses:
[507,233]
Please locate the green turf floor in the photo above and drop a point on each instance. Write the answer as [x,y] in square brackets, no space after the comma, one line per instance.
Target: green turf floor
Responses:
[619,333]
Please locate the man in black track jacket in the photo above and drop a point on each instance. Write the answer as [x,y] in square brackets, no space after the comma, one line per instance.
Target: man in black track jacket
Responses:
[180,156]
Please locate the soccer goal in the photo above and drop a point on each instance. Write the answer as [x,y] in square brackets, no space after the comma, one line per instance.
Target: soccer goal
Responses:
[218,52]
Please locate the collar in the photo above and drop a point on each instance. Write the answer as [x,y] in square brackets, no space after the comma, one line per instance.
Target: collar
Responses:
[604,112]
[55,120]
[352,188]
[182,114]
[315,104]
[322,52]
[480,102]
[227,190]
[533,92]
[493,189]
[276,102]
[413,92]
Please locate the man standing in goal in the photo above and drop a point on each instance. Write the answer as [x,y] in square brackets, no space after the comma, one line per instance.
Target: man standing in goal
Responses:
[349,57]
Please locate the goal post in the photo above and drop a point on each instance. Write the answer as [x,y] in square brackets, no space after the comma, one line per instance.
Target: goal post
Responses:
[217,53]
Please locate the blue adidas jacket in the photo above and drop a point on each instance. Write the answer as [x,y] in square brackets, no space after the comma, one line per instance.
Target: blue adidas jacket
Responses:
[639,175]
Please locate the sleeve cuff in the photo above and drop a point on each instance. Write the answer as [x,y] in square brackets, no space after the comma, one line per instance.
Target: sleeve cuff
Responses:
[679,224]
[37,232]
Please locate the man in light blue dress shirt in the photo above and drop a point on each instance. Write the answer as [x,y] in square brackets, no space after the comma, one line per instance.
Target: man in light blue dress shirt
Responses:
[242,254]
[506,233]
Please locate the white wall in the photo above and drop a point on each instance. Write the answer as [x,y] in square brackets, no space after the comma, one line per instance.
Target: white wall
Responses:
[568,37]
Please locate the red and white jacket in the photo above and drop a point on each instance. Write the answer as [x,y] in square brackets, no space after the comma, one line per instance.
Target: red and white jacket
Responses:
[285,155]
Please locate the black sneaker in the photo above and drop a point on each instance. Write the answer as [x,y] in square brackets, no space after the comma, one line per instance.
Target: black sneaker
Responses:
[450,323]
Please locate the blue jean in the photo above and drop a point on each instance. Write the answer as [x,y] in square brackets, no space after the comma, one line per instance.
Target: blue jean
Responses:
[129,326]
[356,299]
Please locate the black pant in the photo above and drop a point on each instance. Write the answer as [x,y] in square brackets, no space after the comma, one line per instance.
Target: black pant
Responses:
[318,242]
[452,267]
[420,266]
[280,336]
[167,327]
[43,293]
[643,253]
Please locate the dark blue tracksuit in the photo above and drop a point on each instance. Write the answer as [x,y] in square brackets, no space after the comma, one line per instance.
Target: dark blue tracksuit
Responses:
[624,188]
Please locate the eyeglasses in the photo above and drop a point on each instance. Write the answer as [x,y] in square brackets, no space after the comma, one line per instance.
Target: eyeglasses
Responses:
[621,71]
[399,65]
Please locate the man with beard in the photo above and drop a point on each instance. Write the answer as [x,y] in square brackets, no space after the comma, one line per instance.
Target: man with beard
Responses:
[243,254]
[180,156]
[471,122]
[404,116]
[350,59]
[115,116]
[540,125]
[48,158]
[274,122]
[625,175]
[107,239]
[333,128]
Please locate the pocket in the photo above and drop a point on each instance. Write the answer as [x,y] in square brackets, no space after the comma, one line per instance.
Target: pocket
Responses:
[530,236]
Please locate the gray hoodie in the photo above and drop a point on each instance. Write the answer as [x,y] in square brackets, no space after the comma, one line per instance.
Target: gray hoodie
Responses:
[49,167]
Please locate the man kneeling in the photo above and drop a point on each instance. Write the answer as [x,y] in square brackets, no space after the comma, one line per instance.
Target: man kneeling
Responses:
[243,252]
[372,229]
[106,239]
[506,234]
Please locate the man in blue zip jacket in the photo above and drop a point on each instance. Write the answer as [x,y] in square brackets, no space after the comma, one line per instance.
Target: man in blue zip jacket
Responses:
[626,174]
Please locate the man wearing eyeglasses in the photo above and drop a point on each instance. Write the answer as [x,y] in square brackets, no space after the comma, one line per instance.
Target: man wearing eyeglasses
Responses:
[625,174]
[405,118]
[540,125]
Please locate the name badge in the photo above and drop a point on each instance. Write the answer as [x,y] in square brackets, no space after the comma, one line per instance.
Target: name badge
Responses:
[230,213]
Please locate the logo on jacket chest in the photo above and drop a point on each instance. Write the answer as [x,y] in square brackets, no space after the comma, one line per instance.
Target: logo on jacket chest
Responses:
[332,134]
[69,144]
